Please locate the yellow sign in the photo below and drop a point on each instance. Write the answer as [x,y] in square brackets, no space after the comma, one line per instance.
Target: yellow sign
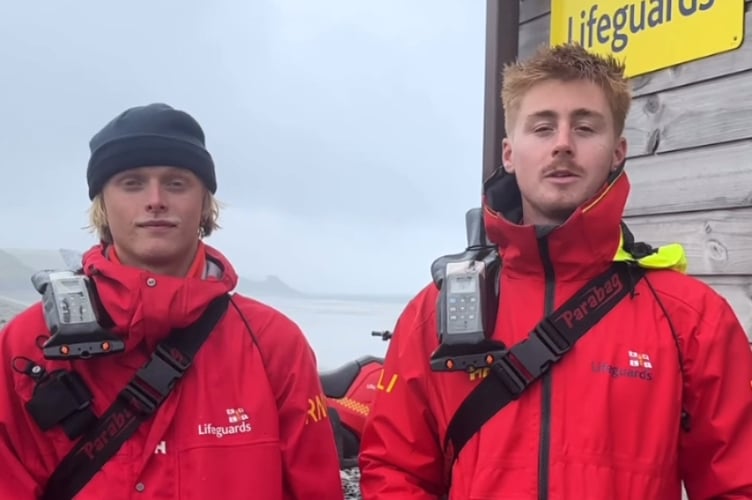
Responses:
[649,35]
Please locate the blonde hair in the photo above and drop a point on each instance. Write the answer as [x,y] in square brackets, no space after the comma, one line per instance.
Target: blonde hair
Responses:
[98,218]
[566,63]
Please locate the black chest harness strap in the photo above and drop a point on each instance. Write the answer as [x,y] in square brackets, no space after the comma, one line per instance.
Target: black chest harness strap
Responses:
[136,403]
[516,368]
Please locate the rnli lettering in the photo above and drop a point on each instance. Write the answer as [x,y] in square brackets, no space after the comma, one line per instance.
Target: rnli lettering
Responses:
[389,386]
[316,409]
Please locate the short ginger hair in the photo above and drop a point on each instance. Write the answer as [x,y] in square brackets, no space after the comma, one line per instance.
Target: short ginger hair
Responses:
[566,63]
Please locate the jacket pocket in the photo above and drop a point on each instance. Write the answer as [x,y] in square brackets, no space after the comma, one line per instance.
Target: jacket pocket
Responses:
[229,472]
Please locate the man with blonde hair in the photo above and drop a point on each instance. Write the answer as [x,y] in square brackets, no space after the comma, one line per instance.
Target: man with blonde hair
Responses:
[654,392]
[183,389]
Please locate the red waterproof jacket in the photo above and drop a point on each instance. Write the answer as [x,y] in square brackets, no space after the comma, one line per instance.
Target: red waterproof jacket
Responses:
[597,426]
[247,420]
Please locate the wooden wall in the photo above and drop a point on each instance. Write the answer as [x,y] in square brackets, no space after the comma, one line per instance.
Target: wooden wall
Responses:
[689,136]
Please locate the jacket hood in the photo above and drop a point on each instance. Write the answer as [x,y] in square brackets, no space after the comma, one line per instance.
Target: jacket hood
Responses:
[584,245]
[144,306]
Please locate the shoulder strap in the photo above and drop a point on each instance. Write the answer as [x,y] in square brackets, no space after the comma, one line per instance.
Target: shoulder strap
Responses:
[136,403]
[522,364]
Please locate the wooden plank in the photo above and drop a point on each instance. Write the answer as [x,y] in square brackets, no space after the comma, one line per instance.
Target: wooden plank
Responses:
[709,178]
[532,35]
[737,290]
[696,115]
[530,9]
[716,242]
[708,68]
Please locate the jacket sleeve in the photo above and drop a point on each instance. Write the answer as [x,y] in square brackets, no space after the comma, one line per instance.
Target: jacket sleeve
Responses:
[401,455]
[19,477]
[716,454]
[310,457]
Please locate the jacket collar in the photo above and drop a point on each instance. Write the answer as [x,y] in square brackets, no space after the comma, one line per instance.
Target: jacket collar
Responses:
[143,306]
[583,246]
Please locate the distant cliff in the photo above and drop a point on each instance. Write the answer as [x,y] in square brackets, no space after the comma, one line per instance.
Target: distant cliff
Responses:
[268,286]
[17,266]
[15,278]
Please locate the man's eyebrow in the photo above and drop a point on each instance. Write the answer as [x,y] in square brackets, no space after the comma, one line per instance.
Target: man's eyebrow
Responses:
[546,113]
[127,174]
[587,113]
[577,113]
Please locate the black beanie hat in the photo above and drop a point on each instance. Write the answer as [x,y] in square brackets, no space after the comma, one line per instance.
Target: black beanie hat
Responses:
[152,135]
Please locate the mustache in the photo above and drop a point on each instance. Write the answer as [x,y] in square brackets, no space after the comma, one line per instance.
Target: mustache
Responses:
[562,165]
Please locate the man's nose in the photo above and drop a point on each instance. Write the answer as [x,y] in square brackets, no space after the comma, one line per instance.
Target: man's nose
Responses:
[154,196]
[564,143]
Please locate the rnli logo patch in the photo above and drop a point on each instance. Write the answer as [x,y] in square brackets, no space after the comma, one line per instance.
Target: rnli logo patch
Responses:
[237,419]
[637,366]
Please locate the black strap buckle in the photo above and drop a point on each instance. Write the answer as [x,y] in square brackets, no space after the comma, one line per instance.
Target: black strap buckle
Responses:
[550,335]
[544,347]
[153,382]
[511,376]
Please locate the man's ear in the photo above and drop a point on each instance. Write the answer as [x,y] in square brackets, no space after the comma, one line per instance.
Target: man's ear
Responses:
[620,153]
[506,155]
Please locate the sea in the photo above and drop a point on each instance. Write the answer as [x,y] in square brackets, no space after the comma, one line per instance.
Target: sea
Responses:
[340,329]
[337,328]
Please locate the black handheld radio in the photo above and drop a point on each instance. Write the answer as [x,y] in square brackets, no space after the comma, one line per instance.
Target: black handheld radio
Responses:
[467,303]
[72,313]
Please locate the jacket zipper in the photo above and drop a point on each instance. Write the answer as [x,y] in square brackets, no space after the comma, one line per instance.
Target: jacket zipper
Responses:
[544,452]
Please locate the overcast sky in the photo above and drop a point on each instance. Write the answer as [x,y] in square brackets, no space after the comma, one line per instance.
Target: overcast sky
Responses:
[347,134]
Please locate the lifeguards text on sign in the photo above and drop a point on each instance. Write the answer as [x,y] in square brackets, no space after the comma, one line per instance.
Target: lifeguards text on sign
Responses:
[650,34]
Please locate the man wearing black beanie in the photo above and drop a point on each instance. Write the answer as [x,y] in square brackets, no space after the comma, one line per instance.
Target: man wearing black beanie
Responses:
[168,145]
[247,418]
